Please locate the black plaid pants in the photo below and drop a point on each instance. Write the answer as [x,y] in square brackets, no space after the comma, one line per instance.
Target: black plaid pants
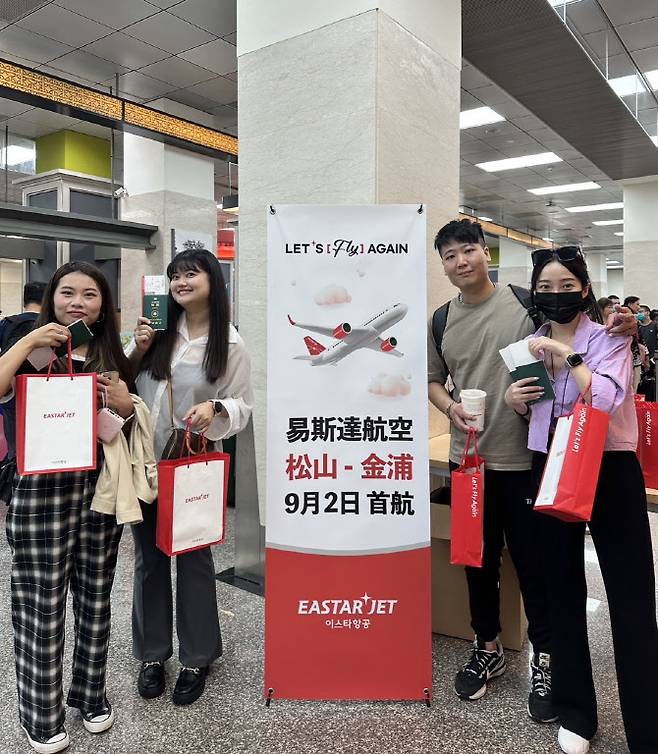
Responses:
[56,540]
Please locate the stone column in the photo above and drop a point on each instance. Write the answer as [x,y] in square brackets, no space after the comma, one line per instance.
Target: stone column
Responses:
[351,102]
[641,239]
[515,264]
[173,189]
[597,266]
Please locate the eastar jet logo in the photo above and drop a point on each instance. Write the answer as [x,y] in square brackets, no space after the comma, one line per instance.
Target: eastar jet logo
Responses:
[346,246]
[365,605]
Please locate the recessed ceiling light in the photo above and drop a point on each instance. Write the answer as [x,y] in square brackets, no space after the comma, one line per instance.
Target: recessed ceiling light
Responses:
[625,86]
[564,188]
[608,222]
[485,219]
[479,116]
[513,163]
[596,207]
[619,234]
[548,240]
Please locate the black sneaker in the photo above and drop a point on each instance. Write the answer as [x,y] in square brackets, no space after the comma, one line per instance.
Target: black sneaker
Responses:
[540,700]
[471,681]
[99,720]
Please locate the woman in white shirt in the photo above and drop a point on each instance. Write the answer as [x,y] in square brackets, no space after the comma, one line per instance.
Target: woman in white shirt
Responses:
[203,359]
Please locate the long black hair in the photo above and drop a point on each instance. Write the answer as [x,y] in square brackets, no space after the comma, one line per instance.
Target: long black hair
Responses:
[104,352]
[578,268]
[157,360]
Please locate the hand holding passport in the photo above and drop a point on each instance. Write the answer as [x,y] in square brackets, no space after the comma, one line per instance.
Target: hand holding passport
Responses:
[521,364]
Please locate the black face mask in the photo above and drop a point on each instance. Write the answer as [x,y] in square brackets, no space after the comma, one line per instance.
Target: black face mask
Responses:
[560,307]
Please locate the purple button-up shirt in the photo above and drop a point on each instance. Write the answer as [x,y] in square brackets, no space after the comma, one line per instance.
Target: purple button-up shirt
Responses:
[609,358]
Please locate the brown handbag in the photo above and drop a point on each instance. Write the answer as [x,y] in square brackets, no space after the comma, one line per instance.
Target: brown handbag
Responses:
[182,441]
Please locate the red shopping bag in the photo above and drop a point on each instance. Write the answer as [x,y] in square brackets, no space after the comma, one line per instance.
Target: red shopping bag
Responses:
[55,421]
[467,507]
[571,474]
[647,445]
[191,503]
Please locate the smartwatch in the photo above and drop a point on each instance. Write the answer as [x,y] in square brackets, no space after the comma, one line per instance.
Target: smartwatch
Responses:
[574,360]
[217,406]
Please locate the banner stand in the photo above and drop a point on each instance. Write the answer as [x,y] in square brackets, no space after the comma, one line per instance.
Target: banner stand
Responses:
[426,692]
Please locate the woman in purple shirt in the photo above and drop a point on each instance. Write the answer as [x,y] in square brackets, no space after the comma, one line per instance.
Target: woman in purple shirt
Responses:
[580,355]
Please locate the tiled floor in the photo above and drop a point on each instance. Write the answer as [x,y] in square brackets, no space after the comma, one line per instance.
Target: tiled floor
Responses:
[231,717]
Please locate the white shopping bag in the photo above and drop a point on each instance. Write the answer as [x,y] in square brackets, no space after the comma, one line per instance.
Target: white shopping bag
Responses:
[55,423]
[191,502]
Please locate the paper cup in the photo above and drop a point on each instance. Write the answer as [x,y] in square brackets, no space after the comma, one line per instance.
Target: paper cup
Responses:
[473,402]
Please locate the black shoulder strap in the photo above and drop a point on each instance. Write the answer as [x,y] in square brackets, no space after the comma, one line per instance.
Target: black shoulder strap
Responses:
[525,299]
[439,320]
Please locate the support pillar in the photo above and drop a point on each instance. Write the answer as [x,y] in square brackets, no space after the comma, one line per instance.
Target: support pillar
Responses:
[641,239]
[597,266]
[351,102]
[515,263]
[173,189]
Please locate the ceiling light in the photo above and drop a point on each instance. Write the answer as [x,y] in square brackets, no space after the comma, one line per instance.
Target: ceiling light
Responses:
[596,207]
[559,3]
[485,219]
[548,240]
[619,234]
[479,116]
[513,163]
[565,188]
[608,222]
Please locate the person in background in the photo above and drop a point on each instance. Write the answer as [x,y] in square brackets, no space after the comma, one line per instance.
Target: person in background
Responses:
[648,336]
[616,301]
[56,540]
[607,307]
[654,316]
[633,303]
[583,360]
[13,329]
[196,372]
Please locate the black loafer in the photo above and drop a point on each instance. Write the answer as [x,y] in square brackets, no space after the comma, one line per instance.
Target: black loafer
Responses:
[190,685]
[151,681]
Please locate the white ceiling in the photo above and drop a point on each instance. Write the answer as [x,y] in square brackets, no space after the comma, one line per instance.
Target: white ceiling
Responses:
[180,51]
[180,56]
[505,197]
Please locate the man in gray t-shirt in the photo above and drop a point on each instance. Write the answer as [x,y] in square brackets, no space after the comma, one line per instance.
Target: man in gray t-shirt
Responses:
[480,321]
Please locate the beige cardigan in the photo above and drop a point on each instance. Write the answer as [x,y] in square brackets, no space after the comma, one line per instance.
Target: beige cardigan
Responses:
[130,472]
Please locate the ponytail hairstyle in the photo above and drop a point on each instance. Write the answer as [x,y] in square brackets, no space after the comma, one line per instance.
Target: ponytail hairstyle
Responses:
[578,268]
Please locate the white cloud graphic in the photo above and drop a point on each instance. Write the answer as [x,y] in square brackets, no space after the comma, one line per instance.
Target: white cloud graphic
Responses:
[389,385]
[332,294]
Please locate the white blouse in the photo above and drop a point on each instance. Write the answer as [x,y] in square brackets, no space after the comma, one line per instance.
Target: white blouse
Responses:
[190,386]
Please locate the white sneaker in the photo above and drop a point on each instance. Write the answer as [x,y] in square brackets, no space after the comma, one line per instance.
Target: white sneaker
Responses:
[98,722]
[58,742]
[572,743]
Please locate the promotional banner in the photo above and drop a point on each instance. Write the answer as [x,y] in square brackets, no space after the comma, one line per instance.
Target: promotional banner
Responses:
[348,613]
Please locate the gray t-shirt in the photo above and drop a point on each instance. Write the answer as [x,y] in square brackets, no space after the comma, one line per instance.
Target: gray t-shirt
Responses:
[473,336]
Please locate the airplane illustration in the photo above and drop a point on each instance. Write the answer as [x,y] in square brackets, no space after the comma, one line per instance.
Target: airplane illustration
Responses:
[349,339]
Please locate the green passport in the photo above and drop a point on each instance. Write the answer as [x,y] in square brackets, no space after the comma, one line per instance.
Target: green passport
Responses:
[155,300]
[535,369]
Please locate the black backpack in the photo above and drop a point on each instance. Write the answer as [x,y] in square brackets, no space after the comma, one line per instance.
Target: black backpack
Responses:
[440,316]
[9,324]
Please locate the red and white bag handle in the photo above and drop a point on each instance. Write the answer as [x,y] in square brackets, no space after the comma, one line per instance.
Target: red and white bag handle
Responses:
[53,356]
[476,460]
